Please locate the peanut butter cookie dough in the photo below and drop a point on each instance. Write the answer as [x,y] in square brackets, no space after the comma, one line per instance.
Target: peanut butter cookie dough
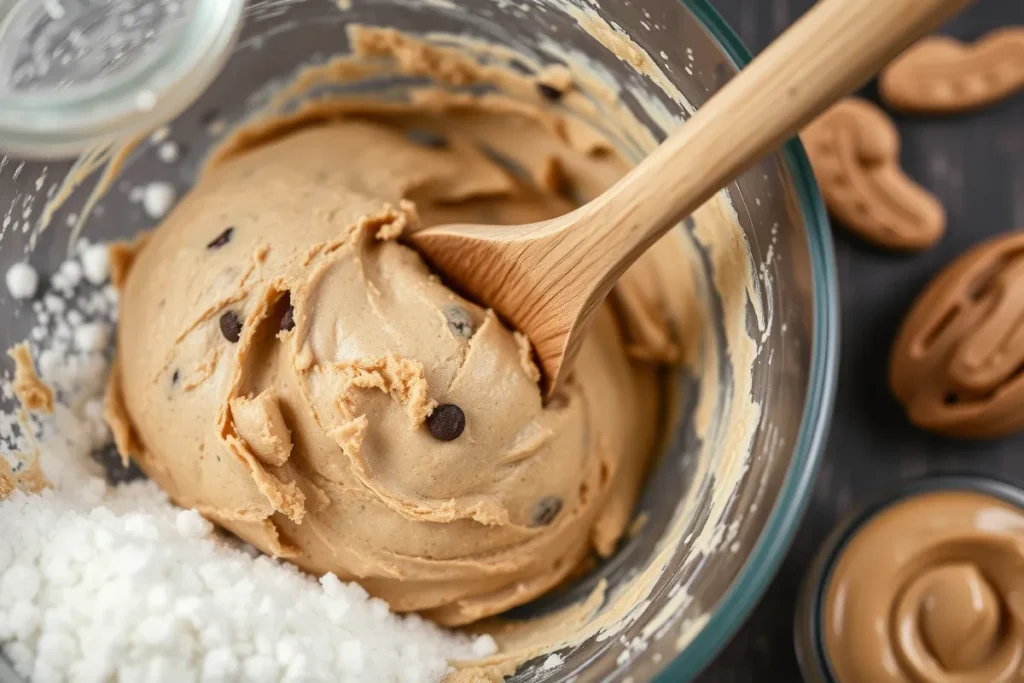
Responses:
[286,366]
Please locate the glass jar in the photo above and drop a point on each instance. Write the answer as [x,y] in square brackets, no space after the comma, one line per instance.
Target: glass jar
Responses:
[76,73]
[809,620]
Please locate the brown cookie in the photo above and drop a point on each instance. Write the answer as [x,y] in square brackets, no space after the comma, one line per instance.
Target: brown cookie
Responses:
[943,75]
[855,149]
[958,363]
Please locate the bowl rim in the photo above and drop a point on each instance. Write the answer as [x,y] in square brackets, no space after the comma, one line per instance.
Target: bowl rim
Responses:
[784,520]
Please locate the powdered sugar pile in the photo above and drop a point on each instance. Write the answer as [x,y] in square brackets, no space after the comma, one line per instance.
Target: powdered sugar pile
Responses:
[101,582]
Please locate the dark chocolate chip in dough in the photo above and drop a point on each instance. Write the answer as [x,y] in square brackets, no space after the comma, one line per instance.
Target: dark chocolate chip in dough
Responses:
[549,92]
[175,377]
[447,422]
[109,458]
[427,138]
[288,319]
[231,326]
[545,511]
[221,239]
[459,321]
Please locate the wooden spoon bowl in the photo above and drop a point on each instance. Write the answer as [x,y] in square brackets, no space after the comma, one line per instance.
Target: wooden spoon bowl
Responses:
[547,278]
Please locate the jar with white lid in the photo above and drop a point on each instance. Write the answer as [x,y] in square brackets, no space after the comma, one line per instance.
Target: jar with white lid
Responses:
[77,73]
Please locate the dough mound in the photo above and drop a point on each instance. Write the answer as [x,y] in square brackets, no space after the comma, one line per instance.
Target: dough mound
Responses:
[280,354]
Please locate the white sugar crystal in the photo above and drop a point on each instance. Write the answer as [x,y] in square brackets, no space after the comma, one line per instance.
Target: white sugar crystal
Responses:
[71,271]
[92,336]
[484,646]
[96,263]
[157,199]
[168,152]
[22,281]
[101,583]
[191,524]
[350,655]
[53,303]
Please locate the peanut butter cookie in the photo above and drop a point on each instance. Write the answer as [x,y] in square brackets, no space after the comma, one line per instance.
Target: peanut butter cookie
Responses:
[943,75]
[958,363]
[854,148]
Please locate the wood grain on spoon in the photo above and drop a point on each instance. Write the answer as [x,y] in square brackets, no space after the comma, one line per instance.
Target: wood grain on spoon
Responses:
[547,278]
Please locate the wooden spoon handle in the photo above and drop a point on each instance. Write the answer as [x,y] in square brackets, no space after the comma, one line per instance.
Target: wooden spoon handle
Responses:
[826,54]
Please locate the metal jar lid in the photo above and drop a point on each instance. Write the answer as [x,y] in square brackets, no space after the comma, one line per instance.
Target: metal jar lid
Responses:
[77,73]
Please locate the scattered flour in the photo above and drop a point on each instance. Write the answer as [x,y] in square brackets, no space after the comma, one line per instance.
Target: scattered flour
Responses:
[96,263]
[92,336]
[160,134]
[168,152]
[552,662]
[22,281]
[157,199]
[103,582]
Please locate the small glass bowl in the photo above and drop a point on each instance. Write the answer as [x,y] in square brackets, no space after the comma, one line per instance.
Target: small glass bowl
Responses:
[808,630]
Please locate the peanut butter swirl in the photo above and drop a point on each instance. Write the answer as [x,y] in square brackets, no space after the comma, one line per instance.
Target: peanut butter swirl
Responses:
[930,590]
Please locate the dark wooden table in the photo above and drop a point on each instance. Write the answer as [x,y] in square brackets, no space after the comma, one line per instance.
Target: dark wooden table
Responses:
[975,164]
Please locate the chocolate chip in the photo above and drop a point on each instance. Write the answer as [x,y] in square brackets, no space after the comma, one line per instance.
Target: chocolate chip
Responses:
[545,511]
[125,475]
[175,377]
[288,319]
[231,326]
[116,472]
[427,138]
[549,92]
[447,422]
[221,239]
[459,321]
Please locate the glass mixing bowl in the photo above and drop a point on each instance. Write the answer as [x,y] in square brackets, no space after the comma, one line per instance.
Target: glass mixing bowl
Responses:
[782,219]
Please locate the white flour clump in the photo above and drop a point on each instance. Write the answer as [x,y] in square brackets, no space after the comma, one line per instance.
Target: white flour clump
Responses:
[22,281]
[157,199]
[102,582]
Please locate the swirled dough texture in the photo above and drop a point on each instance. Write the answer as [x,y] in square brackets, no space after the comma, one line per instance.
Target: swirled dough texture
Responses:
[280,352]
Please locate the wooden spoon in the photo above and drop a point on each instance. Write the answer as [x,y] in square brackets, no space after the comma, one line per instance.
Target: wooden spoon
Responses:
[548,278]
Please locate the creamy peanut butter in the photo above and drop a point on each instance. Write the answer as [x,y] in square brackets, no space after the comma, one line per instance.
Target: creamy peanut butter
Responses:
[930,590]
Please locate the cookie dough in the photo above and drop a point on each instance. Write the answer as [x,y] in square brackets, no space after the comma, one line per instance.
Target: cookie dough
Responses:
[928,591]
[287,367]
